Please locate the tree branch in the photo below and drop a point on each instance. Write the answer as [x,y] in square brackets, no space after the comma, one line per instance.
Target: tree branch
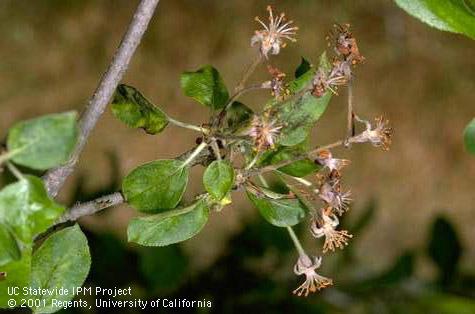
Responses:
[106,201]
[92,207]
[55,178]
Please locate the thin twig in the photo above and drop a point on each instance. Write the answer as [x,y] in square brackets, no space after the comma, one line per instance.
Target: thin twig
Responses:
[194,154]
[92,207]
[55,178]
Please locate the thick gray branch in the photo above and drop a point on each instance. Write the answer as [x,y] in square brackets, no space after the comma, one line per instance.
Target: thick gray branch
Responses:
[92,207]
[55,178]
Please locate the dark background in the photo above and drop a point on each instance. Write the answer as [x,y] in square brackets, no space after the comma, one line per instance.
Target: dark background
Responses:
[413,215]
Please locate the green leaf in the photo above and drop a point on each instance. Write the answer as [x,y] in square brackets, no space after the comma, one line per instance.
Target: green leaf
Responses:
[169,227]
[457,16]
[27,209]
[280,210]
[299,168]
[132,108]
[218,179]
[43,142]
[237,114]
[62,261]
[469,137]
[303,68]
[156,185]
[18,275]
[300,114]
[9,250]
[205,86]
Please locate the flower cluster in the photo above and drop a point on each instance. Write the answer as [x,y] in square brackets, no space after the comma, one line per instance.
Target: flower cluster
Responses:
[325,197]
[347,55]
[333,200]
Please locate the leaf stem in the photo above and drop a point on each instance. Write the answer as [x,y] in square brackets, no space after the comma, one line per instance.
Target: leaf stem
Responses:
[14,170]
[296,241]
[300,180]
[215,148]
[264,181]
[253,161]
[8,155]
[195,153]
[188,126]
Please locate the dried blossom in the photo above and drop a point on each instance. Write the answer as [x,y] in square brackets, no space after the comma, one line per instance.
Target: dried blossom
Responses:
[319,83]
[345,44]
[332,195]
[325,158]
[325,226]
[380,136]
[313,282]
[271,38]
[339,75]
[276,84]
[264,132]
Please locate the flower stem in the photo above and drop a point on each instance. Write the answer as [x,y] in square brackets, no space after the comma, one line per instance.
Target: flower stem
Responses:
[194,154]
[296,241]
[351,115]
[252,67]
[188,126]
[301,157]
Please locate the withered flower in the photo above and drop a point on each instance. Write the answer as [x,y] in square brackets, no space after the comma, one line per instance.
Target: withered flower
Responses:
[325,158]
[264,132]
[313,282]
[332,195]
[380,136]
[339,75]
[325,226]
[345,44]
[271,38]
[277,83]
[319,83]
